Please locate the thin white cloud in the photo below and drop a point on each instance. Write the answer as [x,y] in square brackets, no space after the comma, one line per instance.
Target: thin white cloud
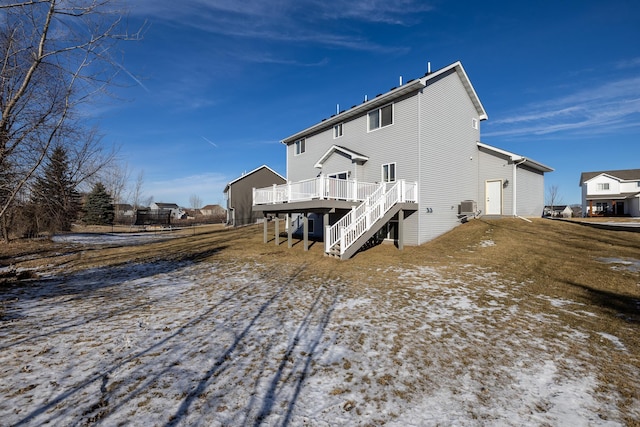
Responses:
[290,21]
[603,109]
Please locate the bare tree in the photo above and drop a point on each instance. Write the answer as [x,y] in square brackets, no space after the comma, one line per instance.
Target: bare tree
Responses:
[137,198]
[55,55]
[195,201]
[553,197]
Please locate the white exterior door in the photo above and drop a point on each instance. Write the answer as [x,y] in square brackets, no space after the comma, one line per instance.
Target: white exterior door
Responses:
[493,201]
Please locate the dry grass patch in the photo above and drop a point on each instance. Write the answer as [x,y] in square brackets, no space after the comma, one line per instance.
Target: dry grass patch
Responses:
[552,288]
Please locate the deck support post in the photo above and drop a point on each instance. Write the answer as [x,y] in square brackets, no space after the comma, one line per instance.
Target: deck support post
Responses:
[401,229]
[265,222]
[290,230]
[277,220]
[305,232]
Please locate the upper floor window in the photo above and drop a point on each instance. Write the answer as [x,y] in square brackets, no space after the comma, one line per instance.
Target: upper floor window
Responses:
[603,186]
[638,183]
[389,172]
[300,146]
[474,123]
[381,117]
[337,131]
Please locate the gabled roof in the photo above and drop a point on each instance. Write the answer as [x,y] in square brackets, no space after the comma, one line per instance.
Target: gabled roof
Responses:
[166,205]
[356,157]
[211,207]
[621,175]
[517,158]
[249,173]
[410,86]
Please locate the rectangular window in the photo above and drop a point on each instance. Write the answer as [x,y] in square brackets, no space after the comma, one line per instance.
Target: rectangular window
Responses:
[300,146]
[311,224]
[337,131]
[389,172]
[638,183]
[603,186]
[381,117]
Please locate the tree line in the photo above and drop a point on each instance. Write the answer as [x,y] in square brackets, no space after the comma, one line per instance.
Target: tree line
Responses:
[55,58]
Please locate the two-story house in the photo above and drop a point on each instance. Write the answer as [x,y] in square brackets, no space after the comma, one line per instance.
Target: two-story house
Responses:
[407,166]
[614,192]
[238,194]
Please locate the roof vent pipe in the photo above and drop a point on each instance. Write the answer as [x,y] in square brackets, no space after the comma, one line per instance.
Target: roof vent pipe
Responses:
[400,81]
[337,108]
[428,67]
[365,98]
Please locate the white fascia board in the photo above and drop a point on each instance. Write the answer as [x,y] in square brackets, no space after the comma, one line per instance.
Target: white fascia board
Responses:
[517,158]
[482,113]
[357,110]
[605,175]
[354,156]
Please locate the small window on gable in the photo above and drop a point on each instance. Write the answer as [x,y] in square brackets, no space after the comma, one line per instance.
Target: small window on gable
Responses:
[300,146]
[603,186]
[638,183]
[381,117]
[474,123]
[389,172]
[337,131]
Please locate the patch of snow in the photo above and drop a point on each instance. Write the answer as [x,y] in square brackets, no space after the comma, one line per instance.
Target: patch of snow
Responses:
[233,344]
[628,264]
[614,340]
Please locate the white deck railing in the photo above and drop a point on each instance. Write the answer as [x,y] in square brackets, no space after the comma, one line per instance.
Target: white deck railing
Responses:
[361,218]
[319,188]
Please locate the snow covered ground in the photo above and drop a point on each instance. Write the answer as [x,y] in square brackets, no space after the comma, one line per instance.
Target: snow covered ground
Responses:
[220,344]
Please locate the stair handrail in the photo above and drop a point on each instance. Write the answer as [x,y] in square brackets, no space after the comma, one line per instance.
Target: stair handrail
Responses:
[376,209]
[333,233]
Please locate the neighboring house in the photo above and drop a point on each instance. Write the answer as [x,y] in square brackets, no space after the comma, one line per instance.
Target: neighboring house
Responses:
[213,210]
[239,194]
[558,211]
[615,192]
[176,212]
[124,210]
[406,166]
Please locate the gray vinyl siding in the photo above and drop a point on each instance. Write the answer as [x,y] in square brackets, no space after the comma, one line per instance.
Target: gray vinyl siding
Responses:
[494,166]
[530,196]
[337,163]
[448,150]
[431,141]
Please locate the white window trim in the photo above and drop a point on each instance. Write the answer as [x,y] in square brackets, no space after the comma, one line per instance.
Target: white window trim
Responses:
[379,109]
[395,171]
[335,174]
[299,147]
[603,186]
[311,223]
[474,123]
[341,127]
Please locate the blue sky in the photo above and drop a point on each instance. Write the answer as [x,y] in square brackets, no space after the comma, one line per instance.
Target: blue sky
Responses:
[215,85]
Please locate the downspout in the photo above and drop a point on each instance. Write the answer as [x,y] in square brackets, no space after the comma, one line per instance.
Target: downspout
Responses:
[515,188]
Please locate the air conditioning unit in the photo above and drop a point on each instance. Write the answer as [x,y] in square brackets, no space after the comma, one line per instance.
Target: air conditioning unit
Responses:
[468,207]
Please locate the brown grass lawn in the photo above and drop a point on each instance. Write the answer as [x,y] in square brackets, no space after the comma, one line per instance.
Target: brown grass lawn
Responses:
[556,261]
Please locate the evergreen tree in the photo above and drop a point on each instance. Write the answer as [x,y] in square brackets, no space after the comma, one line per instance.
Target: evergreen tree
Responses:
[55,201]
[99,209]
